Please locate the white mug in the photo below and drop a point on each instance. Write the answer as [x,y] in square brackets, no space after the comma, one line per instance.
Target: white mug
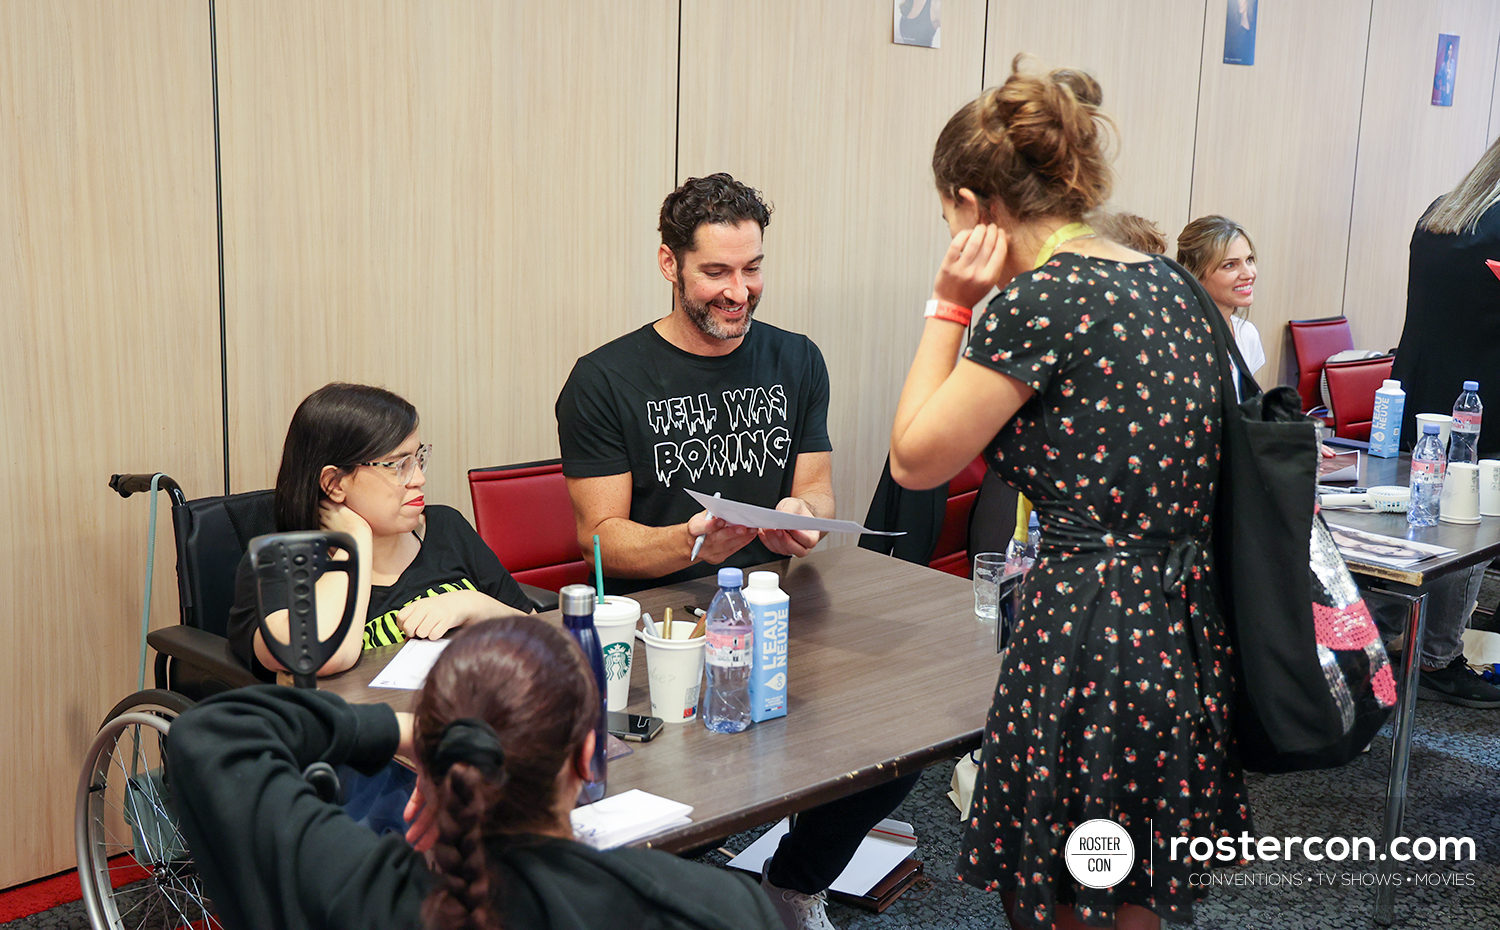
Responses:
[1489,487]
[1460,500]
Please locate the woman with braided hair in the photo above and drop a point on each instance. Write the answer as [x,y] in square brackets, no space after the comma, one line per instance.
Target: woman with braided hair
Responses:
[503,735]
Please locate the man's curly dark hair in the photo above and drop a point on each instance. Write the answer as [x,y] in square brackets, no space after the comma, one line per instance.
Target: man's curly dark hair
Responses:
[717,198]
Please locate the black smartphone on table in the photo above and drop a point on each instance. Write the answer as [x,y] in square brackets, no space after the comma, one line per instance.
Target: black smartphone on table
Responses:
[634,727]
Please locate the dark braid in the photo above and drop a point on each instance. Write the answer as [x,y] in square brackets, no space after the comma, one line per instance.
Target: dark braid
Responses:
[506,706]
[461,898]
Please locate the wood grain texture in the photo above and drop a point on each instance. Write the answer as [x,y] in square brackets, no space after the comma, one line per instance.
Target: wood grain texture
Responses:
[453,200]
[110,300]
[860,650]
[1276,152]
[1146,57]
[812,104]
[1410,151]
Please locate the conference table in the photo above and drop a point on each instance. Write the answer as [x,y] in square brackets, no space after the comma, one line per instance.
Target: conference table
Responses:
[889,672]
[1473,545]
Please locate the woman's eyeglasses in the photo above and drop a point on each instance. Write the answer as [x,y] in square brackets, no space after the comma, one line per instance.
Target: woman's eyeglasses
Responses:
[407,465]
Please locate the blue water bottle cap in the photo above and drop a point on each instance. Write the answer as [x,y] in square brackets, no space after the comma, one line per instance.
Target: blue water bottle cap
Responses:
[1471,385]
[733,577]
[1428,429]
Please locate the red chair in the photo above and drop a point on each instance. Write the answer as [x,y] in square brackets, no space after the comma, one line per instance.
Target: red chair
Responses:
[523,513]
[1312,342]
[951,554]
[1351,394]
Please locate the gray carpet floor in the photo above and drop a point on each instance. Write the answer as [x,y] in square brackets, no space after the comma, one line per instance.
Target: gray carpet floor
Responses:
[1454,791]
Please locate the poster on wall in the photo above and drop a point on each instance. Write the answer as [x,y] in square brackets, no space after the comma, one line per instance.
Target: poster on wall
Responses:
[1239,32]
[917,22]
[1444,70]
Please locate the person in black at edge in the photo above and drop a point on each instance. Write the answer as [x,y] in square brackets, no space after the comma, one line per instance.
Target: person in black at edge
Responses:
[503,734]
[1451,335]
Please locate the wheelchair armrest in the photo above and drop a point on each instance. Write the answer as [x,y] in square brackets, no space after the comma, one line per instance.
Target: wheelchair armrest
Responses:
[203,650]
[545,600]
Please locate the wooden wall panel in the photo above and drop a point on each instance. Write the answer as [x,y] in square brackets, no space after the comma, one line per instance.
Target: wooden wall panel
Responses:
[108,289]
[1146,57]
[1411,151]
[813,105]
[454,200]
[1276,151]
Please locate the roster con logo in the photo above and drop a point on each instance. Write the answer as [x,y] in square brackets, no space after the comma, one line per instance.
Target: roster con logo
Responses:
[1099,853]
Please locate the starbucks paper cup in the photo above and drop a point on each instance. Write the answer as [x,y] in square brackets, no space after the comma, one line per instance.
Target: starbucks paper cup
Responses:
[674,668]
[615,619]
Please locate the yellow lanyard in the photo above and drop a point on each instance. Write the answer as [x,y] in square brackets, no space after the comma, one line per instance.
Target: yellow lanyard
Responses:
[1063,234]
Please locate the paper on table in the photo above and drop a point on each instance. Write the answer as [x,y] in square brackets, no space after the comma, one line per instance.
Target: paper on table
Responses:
[765,518]
[1342,466]
[882,849]
[410,666]
[625,818]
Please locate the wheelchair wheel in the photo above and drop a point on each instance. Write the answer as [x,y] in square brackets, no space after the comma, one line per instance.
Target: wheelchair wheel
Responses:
[124,824]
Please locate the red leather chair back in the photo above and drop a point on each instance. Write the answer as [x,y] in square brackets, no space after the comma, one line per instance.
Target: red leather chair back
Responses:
[523,513]
[1312,342]
[952,552]
[1351,392]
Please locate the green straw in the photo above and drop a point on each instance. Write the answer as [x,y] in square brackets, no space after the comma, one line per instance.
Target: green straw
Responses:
[598,571]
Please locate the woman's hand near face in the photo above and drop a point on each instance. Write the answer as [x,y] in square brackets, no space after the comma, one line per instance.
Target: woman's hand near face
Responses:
[433,617]
[340,518]
[972,265]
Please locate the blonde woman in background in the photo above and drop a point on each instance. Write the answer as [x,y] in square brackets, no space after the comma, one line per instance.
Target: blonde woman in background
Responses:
[1219,253]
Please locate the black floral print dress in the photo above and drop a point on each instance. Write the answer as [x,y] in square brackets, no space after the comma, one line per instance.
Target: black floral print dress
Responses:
[1112,696]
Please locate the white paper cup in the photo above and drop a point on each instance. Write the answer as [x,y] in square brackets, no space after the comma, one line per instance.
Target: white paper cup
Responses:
[1460,500]
[988,567]
[1489,487]
[615,619]
[1444,424]
[674,668]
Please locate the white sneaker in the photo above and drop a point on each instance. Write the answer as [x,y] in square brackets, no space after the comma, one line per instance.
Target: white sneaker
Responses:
[797,910]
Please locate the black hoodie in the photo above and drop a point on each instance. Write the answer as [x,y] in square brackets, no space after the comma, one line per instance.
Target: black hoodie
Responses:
[273,855]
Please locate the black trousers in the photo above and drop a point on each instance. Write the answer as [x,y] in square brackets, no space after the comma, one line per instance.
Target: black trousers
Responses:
[823,839]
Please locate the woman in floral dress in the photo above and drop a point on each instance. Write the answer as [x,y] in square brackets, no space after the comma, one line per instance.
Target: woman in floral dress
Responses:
[1089,383]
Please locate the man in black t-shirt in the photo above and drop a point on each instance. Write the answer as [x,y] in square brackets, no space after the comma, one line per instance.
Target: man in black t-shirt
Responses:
[699,399]
[703,399]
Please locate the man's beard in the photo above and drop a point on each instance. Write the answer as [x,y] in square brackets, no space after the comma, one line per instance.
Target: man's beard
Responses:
[702,315]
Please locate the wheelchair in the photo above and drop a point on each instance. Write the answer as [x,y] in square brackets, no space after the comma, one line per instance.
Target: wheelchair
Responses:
[124,830]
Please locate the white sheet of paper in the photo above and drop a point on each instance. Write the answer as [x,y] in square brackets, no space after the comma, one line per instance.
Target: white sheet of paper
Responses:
[625,818]
[883,849]
[410,666]
[765,518]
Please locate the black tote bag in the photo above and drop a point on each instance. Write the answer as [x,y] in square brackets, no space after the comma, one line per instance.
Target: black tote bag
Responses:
[1295,707]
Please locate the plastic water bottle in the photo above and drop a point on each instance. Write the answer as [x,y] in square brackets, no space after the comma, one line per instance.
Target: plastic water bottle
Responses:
[577,602]
[1428,465]
[770,607]
[1463,441]
[1019,556]
[727,656]
[1385,421]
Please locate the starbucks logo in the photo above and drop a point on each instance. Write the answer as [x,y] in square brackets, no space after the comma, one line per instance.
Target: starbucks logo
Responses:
[617,660]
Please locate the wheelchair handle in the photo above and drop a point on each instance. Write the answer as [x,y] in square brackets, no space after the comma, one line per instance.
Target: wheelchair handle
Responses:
[126,485]
[295,562]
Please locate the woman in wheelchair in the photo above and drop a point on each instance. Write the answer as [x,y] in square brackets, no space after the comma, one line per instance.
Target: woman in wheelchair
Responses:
[353,462]
[503,734]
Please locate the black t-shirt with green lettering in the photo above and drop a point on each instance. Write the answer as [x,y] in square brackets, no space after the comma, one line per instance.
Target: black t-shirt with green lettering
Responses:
[452,558]
[732,424]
